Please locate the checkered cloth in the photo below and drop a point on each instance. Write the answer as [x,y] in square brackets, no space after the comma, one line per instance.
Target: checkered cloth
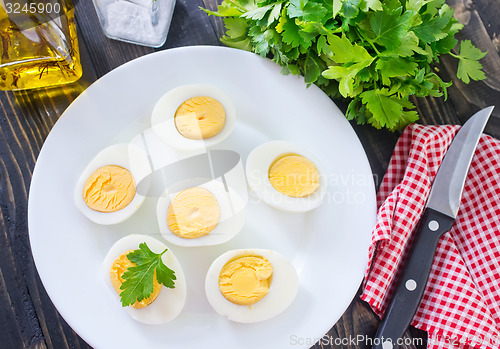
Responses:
[460,307]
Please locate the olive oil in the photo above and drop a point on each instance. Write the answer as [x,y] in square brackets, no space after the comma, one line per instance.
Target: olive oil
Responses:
[38,50]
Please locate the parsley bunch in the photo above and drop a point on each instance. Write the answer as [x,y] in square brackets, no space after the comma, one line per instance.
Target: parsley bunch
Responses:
[377,53]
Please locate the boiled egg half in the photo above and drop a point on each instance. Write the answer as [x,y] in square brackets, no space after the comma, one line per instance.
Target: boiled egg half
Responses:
[209,213]
[251,285]
[192,117]
[106,191]
[286,176]
[165,303]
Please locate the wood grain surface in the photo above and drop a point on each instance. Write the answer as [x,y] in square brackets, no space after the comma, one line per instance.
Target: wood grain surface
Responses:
[28,317]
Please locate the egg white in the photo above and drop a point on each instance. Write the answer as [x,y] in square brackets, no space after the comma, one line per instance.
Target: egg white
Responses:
[257,172]
[162,118]
[127,156]
[232,214]
[282,291]
[169,302]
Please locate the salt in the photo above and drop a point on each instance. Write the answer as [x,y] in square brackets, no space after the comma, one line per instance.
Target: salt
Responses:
[143,22]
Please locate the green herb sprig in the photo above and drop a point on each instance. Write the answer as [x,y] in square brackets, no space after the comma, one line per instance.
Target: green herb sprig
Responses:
[138,281]
[376,53]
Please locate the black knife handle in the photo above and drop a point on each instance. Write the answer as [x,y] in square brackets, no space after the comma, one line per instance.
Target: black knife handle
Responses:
[412,279]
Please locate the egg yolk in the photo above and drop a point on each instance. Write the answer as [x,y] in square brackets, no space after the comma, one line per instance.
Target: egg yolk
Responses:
[109,189]
[193,213]
[245,280]
[119,266]
[200,117]
[294,175]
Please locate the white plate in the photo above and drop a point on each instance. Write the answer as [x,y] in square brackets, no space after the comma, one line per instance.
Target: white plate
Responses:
[328,245]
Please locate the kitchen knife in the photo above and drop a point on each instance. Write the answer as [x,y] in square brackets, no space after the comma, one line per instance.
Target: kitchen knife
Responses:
[439,215]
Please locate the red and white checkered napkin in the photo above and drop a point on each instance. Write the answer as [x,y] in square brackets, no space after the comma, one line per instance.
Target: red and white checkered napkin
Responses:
[460,307]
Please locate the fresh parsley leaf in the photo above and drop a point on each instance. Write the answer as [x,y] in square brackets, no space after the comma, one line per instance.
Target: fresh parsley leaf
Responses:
[138,281]
[432,7]
[346,75]
[244,44]
[446,44]
[386,109]
[257,13]
[374,5]
[431,28]
[389,26]
[337,6]
[394,67]
[291,69]
[274,14]
[236,27]
[306,10]
[259,37]
[408,47]
[323,48]
[226,9]
[416,5]
[350,8]
[292,35]
[345,52]
[468,65]
[312,69]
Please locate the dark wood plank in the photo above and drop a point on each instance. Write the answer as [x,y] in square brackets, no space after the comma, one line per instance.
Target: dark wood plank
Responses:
[8,285]
[477,28]
[217,22]
[489,12]
[17,159]
[29,116]
[190,26]
[357,327]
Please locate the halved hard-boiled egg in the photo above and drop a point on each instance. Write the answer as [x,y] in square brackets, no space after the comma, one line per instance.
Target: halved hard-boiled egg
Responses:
[106,191]
[200,213]
[286,176]
[251,285]
[193,116]
[164,304]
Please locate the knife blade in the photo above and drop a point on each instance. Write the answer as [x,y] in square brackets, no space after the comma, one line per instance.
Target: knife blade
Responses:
[439,215]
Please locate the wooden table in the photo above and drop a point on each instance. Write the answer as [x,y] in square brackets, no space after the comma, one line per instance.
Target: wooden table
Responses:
[28,319]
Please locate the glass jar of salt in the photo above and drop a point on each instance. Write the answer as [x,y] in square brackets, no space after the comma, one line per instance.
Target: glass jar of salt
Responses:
[142,22]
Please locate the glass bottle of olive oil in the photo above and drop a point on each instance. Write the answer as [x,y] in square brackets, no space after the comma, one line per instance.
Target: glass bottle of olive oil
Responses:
[39,45]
